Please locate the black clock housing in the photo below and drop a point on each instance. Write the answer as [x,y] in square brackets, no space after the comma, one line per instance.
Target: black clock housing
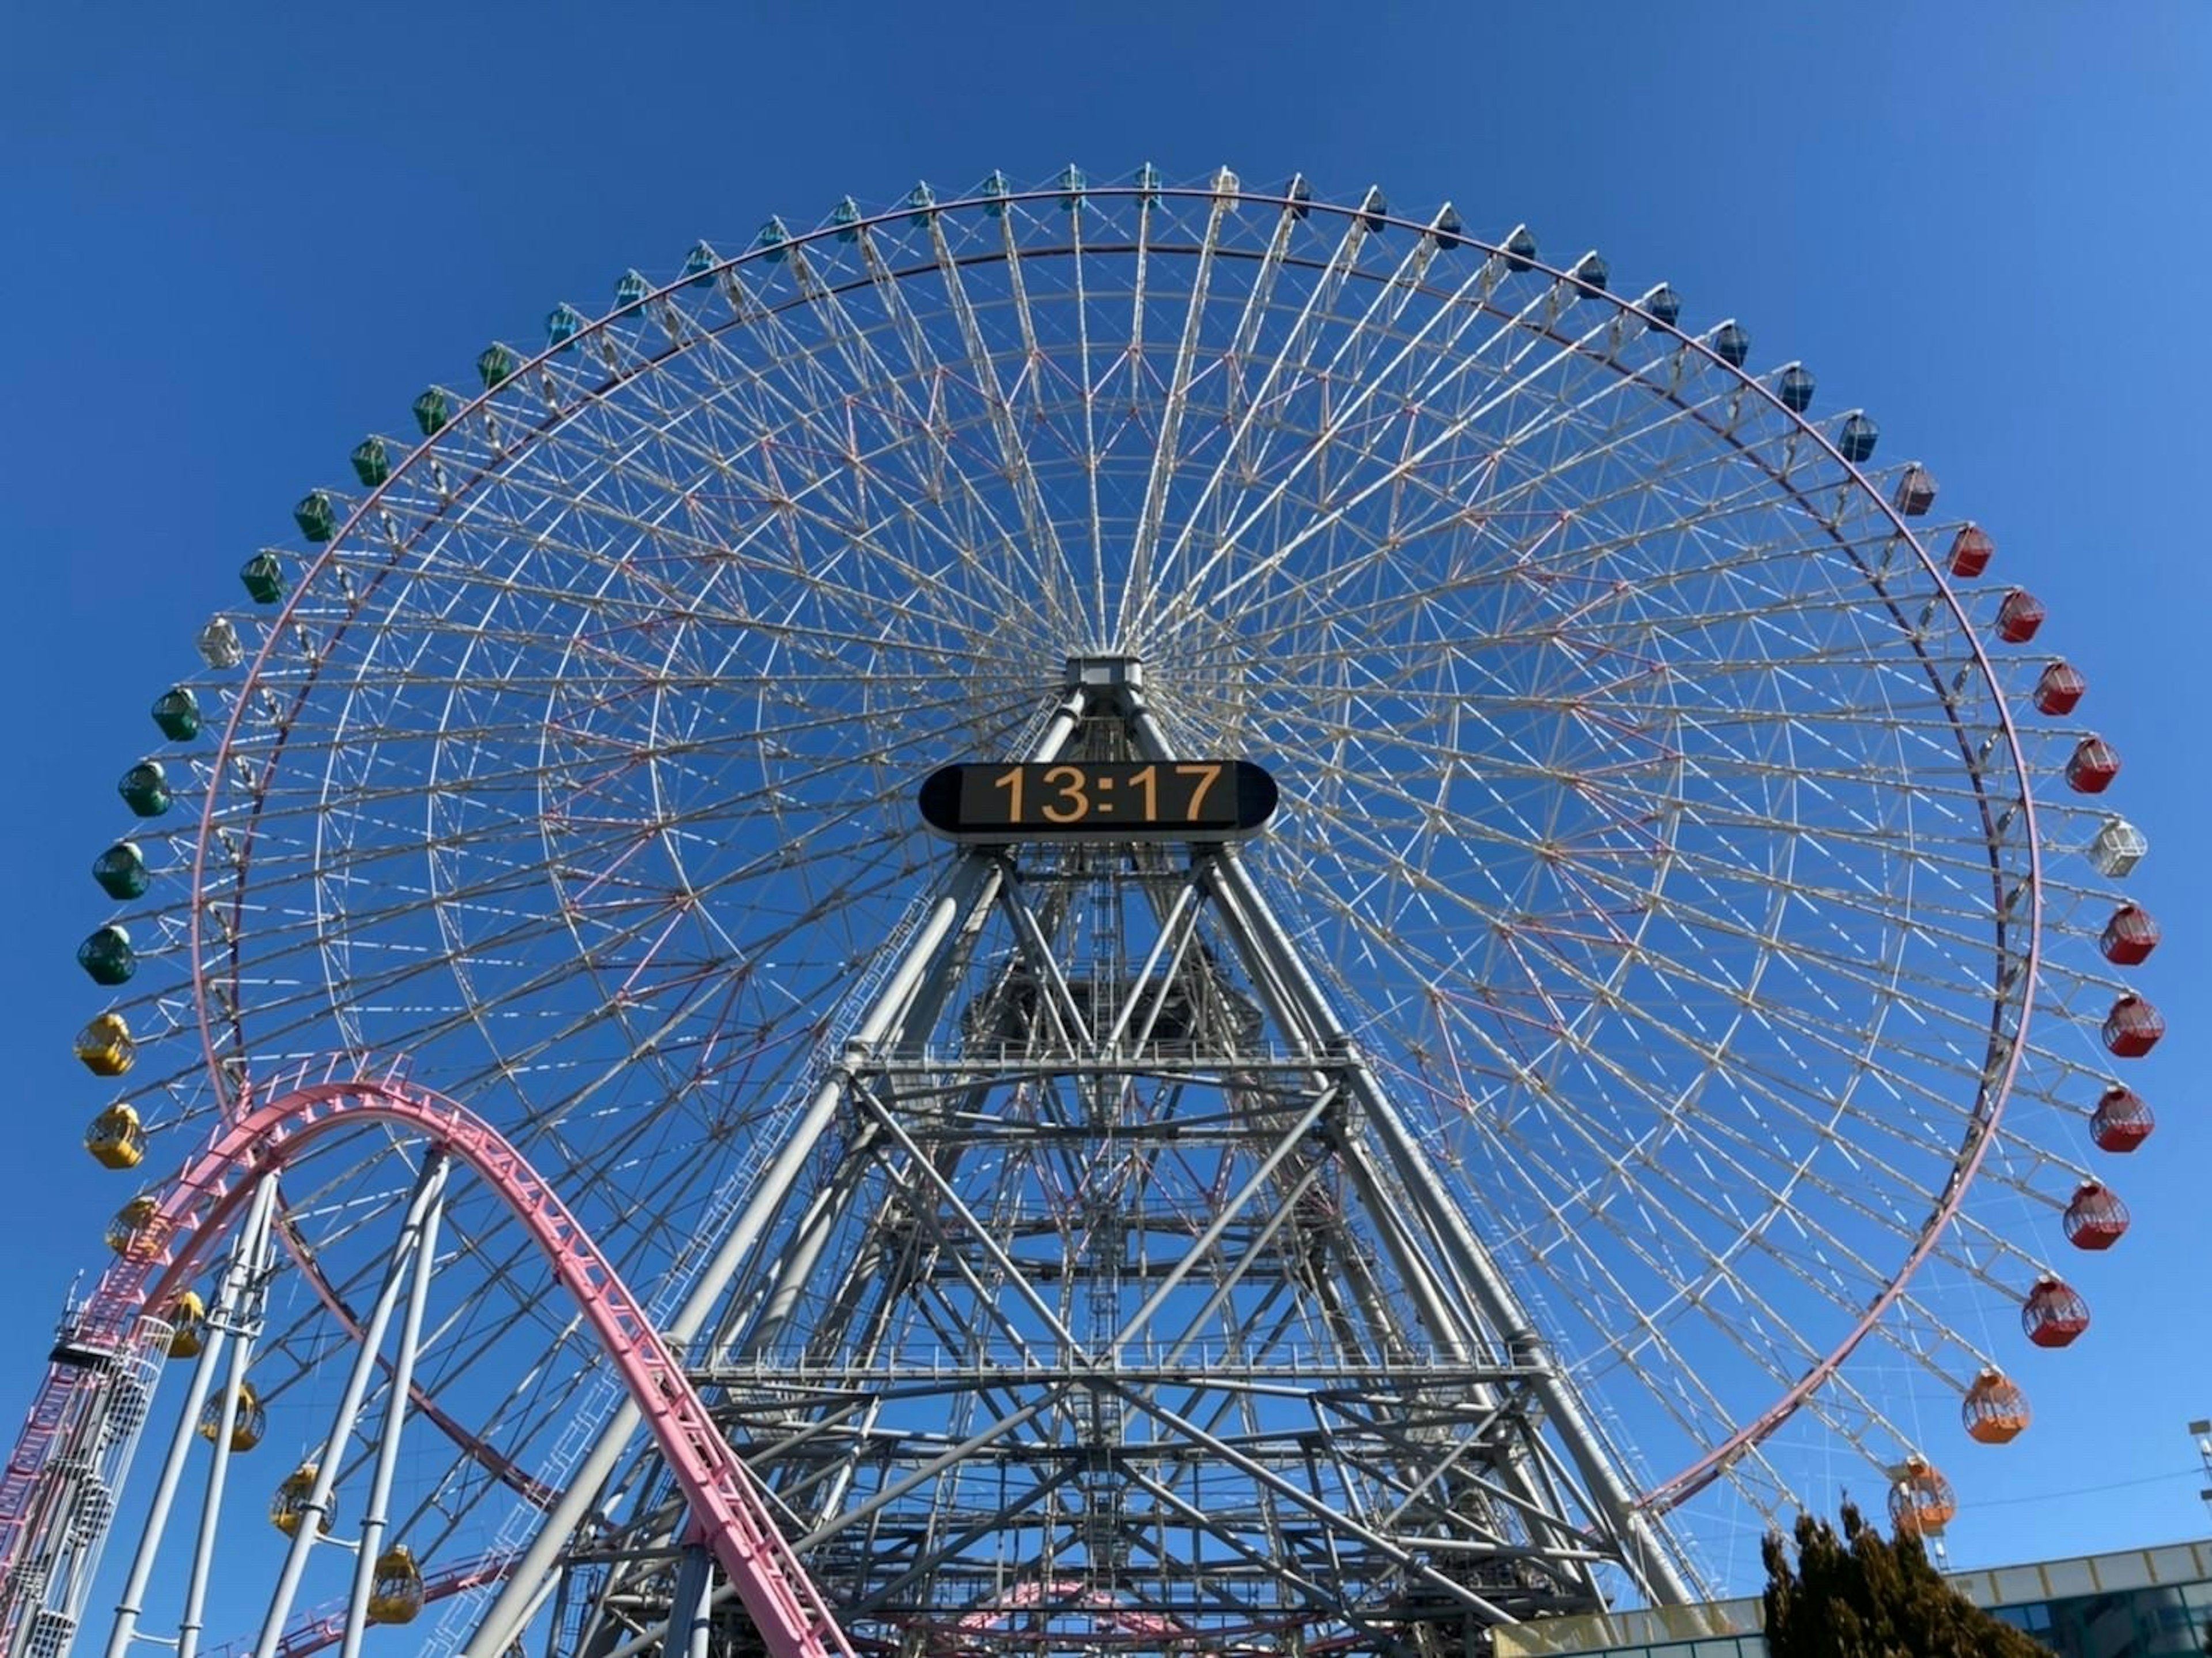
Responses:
[1099,800]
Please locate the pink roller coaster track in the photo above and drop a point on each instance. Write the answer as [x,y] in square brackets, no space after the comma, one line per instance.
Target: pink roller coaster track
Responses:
[728,1512]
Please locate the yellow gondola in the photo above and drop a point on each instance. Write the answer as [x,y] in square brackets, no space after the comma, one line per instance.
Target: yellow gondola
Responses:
[245,1428]
[134,1233]
[395,1595]
[289,1506]
[116,1141]
[187,1321]
[106,1047]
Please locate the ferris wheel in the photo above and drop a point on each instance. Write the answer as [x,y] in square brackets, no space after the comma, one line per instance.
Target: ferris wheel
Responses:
[1675,965]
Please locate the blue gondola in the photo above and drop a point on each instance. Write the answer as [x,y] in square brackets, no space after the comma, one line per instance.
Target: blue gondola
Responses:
[562,324]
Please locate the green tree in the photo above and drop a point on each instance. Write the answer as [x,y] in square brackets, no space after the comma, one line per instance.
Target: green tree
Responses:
[1861,1595]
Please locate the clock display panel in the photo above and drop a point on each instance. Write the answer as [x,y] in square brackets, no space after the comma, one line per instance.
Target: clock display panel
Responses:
[1099,799]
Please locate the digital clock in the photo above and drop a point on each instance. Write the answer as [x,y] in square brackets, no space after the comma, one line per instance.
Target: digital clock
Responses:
[1099,800]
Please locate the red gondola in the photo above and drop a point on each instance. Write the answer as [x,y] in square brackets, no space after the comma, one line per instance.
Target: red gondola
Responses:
[2018,617]
[2094,764]
[2059,688]
[2130,937]
[2132,1028]
[2053,1314]
[2096,1217]
[1969,552]
[2121,1121]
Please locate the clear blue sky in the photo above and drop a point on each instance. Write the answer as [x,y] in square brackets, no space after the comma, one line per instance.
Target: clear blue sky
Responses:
[240,237]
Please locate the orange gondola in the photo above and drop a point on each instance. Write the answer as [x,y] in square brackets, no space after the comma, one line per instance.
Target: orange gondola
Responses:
[1995,1410]
[1921,1500]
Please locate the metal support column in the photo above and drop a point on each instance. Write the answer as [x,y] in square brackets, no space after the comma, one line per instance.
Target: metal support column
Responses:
[314,1512]
[250,1261]
[970,885]
[219,1320]
[376,1518]
[1649,1554]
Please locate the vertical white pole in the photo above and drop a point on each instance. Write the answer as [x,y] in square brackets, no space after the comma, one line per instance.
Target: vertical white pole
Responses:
[253,1254]
[387,1450]
[429,1188]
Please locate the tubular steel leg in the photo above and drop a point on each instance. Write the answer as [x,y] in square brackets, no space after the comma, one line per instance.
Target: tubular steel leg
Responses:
[253,1251]
[690,1609]
[1649,1553]
[503,1623]
[428,1188]
[972,882]
[374,1522]
[780,1299]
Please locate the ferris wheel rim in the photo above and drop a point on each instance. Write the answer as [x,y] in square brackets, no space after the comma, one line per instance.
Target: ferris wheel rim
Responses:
[1965,1165]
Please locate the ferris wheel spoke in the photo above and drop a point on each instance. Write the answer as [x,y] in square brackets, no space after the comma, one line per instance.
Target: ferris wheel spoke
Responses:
[1545,527]
[1168,449]
[1032,585]
[789,499]
[1290,371]
[740,557]
[1238,411]
[1717,1153]
[890,388]
[1202,578]
[1056,580]
[1786,1102]
[1736,1311]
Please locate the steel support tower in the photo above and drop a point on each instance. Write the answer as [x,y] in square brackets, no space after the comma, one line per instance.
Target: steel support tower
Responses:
[1104,1295]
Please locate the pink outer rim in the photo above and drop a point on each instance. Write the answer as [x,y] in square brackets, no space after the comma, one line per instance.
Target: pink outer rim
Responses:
[1690,1480]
